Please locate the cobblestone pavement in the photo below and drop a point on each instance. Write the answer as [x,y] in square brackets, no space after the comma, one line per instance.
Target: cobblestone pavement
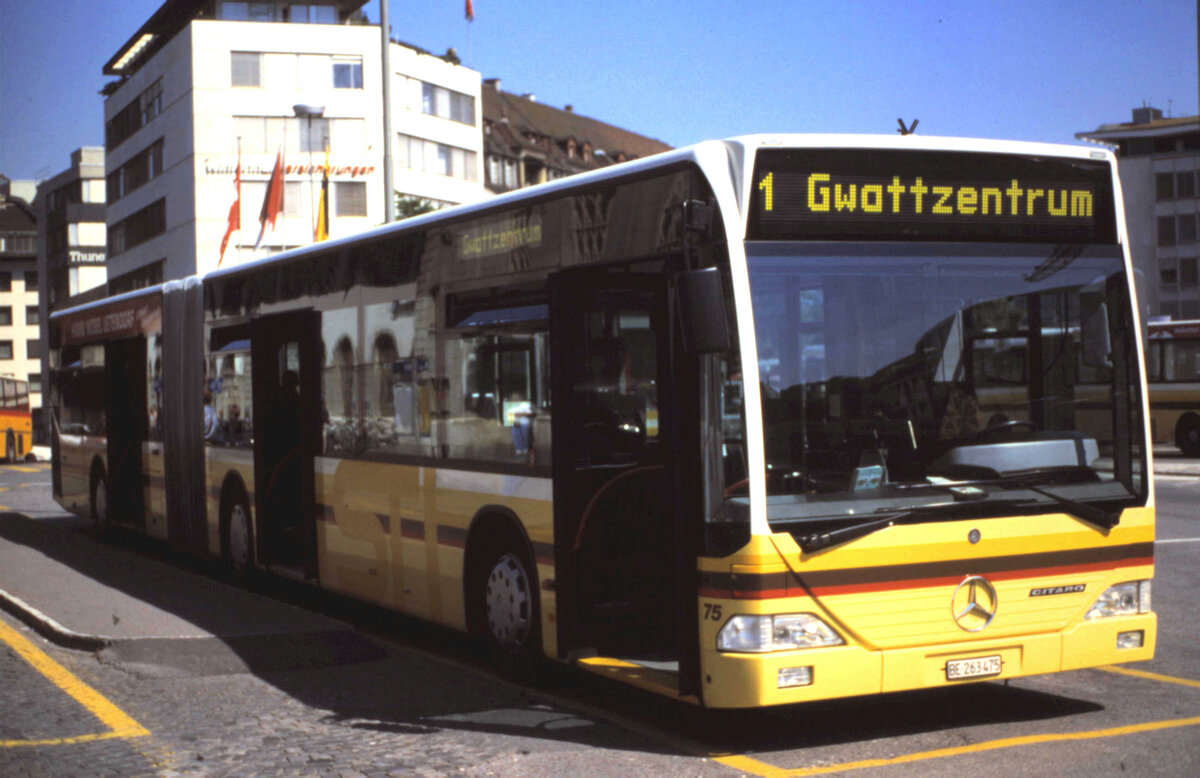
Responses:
[403,714]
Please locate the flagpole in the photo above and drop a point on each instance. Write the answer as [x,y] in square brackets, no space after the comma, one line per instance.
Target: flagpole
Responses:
[283,187]
[239,198]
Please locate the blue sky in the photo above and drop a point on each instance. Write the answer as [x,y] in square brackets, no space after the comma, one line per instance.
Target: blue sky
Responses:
[689,70]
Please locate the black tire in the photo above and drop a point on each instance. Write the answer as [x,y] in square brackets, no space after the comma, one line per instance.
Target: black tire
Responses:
[237,536]
[1187,437]
[508,607]
[98,501]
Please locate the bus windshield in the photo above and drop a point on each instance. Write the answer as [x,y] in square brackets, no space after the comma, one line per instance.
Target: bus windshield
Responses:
[915,376]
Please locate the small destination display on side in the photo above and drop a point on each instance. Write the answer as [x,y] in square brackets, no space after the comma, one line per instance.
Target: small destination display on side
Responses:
[889,194]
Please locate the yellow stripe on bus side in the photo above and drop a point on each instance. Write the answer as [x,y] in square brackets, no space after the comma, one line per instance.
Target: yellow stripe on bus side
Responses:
[120,723]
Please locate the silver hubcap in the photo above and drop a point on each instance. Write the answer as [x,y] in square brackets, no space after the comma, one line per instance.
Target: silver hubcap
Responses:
[239,537]
[508,602]
[101,503]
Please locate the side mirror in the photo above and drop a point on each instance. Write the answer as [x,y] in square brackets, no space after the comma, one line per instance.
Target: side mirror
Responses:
[703,319]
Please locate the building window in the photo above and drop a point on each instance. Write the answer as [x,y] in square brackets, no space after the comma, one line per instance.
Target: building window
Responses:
[93,190]
[35,382]
[6,349]
[1185,184]
[151,102]
[447,104]
[247,12]
[140,111]
[314,133]
[33,348]
[1187,272]
[85,234]
[31,280]
[293,191]
[351,198]
[347,73]
[245,68]
[1169,276]
[1185,229]
[432,157]
[312,14]
[134,230]
[1166,230]
[145,166]
[5,282]
[6,319]
[31,315]
[1164,186]
[264,134]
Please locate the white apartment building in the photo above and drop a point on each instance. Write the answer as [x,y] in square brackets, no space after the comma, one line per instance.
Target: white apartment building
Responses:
[1159,163]
[203,78]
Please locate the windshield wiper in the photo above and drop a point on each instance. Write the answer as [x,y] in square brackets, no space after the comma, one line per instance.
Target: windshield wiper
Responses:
[816,541]
[1081,510]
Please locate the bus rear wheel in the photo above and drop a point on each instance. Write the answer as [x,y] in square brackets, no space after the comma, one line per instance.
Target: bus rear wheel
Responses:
[238,544]
[507,603]
[99,500]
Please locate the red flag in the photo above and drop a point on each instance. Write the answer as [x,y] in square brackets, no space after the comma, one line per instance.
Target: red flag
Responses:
[273,200]
[470,11]
[235,210]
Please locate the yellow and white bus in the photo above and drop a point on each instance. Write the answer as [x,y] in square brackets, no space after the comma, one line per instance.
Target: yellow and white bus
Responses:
[706,423]
[1173,370]
[16,422]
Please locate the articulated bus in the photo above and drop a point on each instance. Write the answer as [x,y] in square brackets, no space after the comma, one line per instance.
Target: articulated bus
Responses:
[708,423]
[1173,370]
[16,421]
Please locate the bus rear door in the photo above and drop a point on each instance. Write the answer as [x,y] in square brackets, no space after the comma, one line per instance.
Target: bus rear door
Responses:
[287,432]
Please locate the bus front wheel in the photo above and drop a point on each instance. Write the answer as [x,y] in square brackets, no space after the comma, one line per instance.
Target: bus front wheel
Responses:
[1187,436]
[507,603]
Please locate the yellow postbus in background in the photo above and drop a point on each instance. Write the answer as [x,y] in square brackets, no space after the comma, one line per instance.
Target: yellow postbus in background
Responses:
[1173,372]
[708,423]
[16,423]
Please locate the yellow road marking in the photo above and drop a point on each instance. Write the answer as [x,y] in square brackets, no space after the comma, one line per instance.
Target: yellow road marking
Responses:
[25,469]
[118,722]
[1151,676]
[747,764]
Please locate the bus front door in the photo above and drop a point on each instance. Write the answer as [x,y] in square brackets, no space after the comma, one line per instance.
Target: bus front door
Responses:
[616,566]
[287,431]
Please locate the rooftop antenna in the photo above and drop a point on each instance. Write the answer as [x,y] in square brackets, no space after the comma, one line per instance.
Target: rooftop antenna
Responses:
[910,129]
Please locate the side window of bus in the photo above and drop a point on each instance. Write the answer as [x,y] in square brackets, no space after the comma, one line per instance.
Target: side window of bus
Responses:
[499,399]
[394,383]
[81,382]
[228,387]
[1181,360]
[340,414]
[154,386]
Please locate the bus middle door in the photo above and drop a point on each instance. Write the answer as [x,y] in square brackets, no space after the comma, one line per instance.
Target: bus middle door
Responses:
[287,434]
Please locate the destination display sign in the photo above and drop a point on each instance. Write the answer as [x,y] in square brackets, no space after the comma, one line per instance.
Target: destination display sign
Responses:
[891,194]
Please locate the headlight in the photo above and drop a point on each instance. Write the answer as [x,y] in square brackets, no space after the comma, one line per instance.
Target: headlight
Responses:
[776,633]
[1131,597]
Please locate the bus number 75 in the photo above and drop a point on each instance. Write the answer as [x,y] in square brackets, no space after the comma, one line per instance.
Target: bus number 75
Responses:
[712,611]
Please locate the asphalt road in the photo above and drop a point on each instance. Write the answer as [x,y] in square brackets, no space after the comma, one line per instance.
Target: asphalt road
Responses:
[425,703]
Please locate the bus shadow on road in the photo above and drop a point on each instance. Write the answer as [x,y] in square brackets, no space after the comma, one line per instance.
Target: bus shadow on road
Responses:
[422,679]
